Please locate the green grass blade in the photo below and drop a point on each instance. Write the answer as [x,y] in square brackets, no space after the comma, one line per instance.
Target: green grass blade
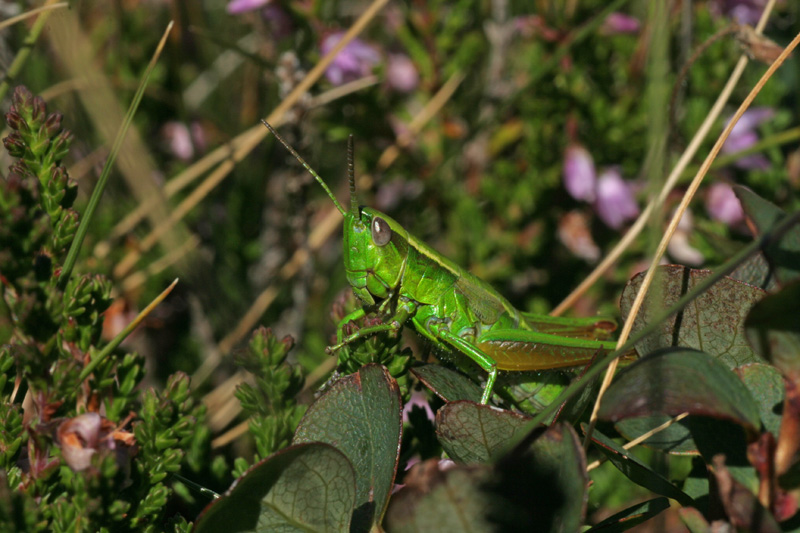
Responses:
[97,193]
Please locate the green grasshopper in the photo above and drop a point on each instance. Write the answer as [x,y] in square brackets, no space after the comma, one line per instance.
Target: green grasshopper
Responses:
[412,283]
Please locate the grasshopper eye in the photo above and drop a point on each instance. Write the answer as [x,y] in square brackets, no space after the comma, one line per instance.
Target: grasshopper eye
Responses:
[381,232]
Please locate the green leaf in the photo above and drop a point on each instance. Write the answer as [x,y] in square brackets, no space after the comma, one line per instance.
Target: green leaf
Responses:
[447,384]
[673,381]
[307,487]
[637,471]
[540,486]
[675,439]
[694,520]
[766,385]
[713,323]
[773,328]
[436,500]
[757,272]
[677,380]
[361,414]
[631,517]
[473,433]
[530,392]
[781,253]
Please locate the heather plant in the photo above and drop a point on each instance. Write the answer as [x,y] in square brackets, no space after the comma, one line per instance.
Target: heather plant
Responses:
[77,432]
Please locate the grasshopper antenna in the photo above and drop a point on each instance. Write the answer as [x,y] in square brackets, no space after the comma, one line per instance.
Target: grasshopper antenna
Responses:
[311,170]
[351,177]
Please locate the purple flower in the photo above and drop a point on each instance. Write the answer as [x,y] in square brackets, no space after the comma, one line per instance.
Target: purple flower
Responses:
[579,174]
[178,140]
[723,205]
[615,203]
[744,136]
[235,7]
[742,11]
[280,23]
[401,73]
[420,400]
[679,247]
[354,61]
[620,23]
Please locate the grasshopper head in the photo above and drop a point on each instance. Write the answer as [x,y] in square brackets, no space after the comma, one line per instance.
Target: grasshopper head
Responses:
[375,246]
[375,252]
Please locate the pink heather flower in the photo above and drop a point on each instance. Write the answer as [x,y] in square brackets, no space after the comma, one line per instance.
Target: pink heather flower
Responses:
[679,247]
[744,136]
[354,61]
[280,23]
[418,399]
[179,140]
[401,73]
[620,23]
[236,7]
[579,174]
[742,11]
[198,135]
[83,436]
[723,205]
[79,439]
[615,203]
[574,233]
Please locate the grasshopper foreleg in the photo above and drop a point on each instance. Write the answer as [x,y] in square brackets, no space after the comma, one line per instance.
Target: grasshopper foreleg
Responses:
[405,309]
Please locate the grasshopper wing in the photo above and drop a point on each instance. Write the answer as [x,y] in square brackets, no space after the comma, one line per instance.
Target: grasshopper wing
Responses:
[521,350]
[590,328]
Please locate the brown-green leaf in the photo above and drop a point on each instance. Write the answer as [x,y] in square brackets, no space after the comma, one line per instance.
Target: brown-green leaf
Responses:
[306,487]
[361,415]
[678,380]
[436,500]
[773,328]
[541,486]
[783,253]
[474,433]
[447,384]
[713,323]
[767,388]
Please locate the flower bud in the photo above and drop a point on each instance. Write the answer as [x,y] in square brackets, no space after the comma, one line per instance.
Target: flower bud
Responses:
[61,144]
[16,122]
[39,110]
[22,97]
[53,124]
[15,145]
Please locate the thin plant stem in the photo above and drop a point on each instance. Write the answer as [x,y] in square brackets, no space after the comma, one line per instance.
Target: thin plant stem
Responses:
[97,193]
[122,335]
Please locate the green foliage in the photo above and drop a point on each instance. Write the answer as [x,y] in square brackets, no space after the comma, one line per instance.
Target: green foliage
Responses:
[480,179]
[269,403]
[54,446]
